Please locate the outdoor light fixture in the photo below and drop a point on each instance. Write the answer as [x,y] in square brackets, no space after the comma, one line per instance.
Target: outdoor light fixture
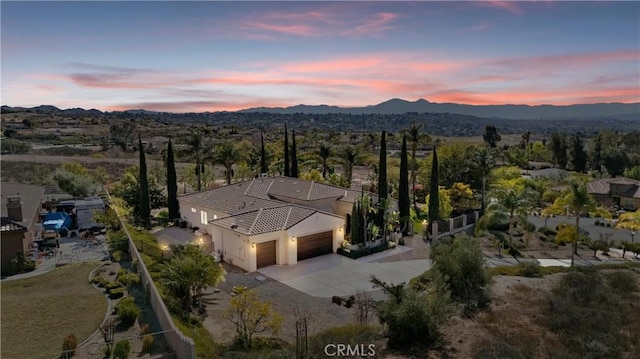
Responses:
[253,244]
[340,229]
[424,221]
[293,239]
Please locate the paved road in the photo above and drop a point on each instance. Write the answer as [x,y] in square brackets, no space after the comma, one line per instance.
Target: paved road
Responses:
[595,232]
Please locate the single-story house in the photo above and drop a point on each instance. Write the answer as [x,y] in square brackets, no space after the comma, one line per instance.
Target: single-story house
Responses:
[620,191]
[20,213]
[271,220]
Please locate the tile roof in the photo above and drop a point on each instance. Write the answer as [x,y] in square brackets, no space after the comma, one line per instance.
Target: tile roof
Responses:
[266,220]
[8,225]
[603,186]
[230,199]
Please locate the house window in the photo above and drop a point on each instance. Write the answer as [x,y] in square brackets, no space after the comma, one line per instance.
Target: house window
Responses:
[203,217]
[193,210]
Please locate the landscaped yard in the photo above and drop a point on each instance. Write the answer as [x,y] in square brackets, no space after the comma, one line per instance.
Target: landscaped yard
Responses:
[39,312]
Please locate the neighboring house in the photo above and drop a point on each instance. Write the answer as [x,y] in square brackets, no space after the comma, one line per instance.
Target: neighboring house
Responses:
[20,212]
[621,192]
[269,221]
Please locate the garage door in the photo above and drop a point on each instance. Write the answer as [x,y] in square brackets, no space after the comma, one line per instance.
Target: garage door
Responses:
[315,245]
[266,254]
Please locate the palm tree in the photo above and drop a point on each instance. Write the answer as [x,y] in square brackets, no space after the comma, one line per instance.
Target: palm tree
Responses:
[349,155]
[200,150]
[416,138]
[188,273]
[576,202]
[485,160]
[323,155]
[579,202]
[227,154]
[513,202]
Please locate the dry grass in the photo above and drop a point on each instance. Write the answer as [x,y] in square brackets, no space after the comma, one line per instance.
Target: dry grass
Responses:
[39,312]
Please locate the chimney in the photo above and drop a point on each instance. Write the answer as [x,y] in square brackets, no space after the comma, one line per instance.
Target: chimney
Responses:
[14,208]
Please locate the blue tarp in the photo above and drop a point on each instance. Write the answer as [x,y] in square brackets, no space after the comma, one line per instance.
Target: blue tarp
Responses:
[56,221]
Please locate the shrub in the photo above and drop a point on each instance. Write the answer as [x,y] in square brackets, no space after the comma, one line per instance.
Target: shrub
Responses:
[355,254]
[111,286]
[415,318]
[121,349]
[460,264]
[496,349]
[147,343]
[622,283]
[116,293]
[128,311]
[530,269]
[68,346]
[548,231]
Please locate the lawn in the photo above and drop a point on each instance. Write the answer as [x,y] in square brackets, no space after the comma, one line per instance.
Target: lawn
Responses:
[38,312]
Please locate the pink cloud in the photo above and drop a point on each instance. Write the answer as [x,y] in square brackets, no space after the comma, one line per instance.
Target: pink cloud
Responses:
[511,6]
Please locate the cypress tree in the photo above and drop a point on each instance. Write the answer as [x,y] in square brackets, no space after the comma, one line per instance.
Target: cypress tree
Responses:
[383,186]
[263,156]
[434,194]
[145,207]
[172,185]
[286,151]
[294,156]
[357,235]
[578,154]
[403,190]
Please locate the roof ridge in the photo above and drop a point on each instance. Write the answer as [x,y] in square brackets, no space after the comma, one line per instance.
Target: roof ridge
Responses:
[255,220]
[310,190]
[284,226]
[248,188]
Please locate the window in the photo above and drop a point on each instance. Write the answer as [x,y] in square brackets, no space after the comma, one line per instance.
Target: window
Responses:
[203,217]
[193,210]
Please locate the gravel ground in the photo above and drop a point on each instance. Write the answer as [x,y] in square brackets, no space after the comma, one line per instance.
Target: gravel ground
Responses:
[322,313]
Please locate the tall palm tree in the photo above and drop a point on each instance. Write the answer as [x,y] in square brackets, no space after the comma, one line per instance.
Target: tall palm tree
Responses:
[513,202]
[579,202]
[323,155]
[227,154]
[200,150]
[485,161]
[349,155]
[415,137]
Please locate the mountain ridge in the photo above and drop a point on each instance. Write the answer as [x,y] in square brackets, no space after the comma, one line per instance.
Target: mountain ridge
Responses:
[400,106]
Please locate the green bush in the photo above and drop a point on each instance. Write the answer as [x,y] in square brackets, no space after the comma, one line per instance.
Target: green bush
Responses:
[68,346]
[355,254]
[460,264]
[111,286]
[414,318]
[116,293]
[530,269]
[128,311]
[622,283]
[121,349]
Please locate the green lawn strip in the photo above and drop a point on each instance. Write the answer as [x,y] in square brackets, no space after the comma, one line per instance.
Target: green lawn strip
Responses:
[39,312]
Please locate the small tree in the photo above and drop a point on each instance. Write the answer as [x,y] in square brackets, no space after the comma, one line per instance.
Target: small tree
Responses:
[491,136]
[251,316]
[434,191]
[122,349]
[294,155]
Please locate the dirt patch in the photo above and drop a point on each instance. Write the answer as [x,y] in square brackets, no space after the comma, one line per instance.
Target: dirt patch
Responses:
[322,313]
[513,316]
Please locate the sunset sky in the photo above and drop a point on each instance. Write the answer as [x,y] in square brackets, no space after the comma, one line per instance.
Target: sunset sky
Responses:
[214,56]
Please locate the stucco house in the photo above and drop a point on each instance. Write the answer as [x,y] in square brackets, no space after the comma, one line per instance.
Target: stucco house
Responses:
[271,220]
[20,213]
[621,192]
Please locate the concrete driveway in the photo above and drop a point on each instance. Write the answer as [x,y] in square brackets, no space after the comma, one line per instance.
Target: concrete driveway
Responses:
[334,274]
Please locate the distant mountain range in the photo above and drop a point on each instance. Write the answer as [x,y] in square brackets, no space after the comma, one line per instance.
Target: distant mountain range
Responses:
[519,112]
[399,106]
